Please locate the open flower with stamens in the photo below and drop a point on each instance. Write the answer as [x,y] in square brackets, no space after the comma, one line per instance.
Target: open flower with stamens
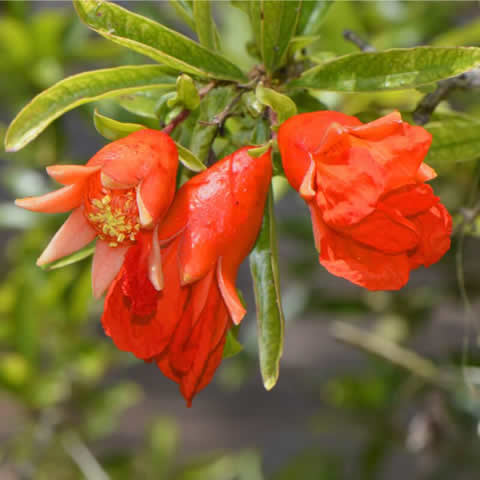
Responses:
[374,217]
[123,191]
[210,228]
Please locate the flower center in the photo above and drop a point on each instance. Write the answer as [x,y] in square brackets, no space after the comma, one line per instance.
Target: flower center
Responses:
[113,213]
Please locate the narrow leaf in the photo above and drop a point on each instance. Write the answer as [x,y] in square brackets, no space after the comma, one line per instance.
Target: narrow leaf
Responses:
[205,25]
[78,90]
[154,40]
[187,93]
[270,321]
[112,129]
[282,105]
[73,258]
[189,160]
[144,103]
[312,16]
[395,69]
[274,24]
[184,11]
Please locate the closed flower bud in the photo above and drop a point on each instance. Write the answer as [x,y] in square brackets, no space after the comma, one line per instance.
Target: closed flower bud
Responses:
[210,228]
[374,218]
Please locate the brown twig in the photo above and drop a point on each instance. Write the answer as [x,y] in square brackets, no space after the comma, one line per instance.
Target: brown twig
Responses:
[429,103]
[168,129]
[362,44]
[220,119]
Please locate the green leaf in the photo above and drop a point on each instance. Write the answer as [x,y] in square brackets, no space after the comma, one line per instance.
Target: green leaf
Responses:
[205,25]
[184,11]
[154,40]
[189,159]
[456,138]
[113,130]
[203,135]
[232,345]
[187,93]
[73,258]
[78,90]
[282,105]
[273,24]
[270,321]
[394,69]
[144,103]
[312,15]
[305,102]
[259,151]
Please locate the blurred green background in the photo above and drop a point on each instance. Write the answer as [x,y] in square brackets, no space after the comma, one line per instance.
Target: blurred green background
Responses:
[370,406]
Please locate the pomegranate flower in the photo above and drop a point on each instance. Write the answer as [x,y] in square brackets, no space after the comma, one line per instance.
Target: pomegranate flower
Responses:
[374,218]
[210,228]
[118,196]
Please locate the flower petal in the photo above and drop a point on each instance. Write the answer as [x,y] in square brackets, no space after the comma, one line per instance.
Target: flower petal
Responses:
[386,230]
[140,319]
[70,174]
[349,189]
[155,272]
[303,134]
[73,235]
[411,199]
[401,155]
[435,227]
[59,201]
[107,262]
[226,275]
[361,265]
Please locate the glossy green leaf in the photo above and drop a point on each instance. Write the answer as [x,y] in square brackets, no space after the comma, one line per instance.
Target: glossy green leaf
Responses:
[187,93]
[282,105]
[456,138]
[113,130]
[189,159]
[312,15]
[78,90]
[270,321]
[144,103]
[154,40]
[73,258]
[306,102]
[205,25]
[395,69]
[274,24]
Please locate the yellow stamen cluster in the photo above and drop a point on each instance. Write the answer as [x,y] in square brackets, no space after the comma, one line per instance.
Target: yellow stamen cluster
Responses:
[114,221]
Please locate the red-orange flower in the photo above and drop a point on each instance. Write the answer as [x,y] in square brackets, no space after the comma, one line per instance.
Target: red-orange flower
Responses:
[118,196]
[374,218]
[210,228]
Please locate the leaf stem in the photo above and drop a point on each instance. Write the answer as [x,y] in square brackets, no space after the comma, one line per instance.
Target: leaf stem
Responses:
[183,115]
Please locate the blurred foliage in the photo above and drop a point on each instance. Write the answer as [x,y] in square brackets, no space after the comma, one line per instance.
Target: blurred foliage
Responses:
[62,376]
